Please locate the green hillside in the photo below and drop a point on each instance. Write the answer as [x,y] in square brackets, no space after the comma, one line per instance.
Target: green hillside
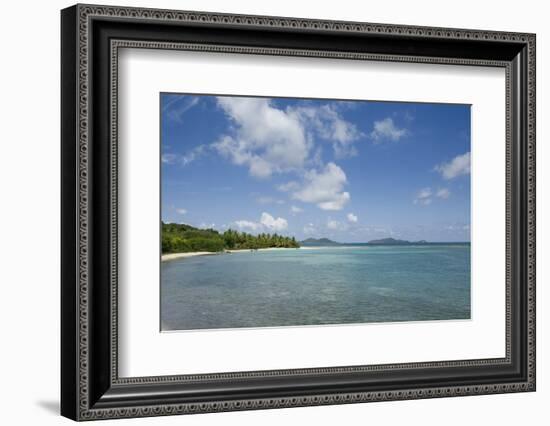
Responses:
[318,242]
[181,238]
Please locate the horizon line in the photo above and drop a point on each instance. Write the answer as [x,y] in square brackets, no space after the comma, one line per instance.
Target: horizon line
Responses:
[410,242]
[421,241]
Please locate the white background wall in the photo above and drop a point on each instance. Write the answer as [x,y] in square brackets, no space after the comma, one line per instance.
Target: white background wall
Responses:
[29,212]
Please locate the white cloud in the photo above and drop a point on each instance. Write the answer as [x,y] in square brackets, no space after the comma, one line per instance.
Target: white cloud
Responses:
[205,225]
[168,158]
[460,165]
[270,140]
[385,129]
[424,193]
[266,139]
[185,159]
[267,222]
[248,225]
[181,211]
[423,197]
[409,117]
[310,229]
[335,225]
[326,122]
[273,224]
[352,218]
[289,186]
[295,209]
[443,193]
[376,230]
[176,107]
[325,188]
[193,154]
[337,204]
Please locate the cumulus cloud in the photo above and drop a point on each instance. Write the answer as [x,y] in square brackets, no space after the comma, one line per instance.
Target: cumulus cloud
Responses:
[270,140]
[443,193]
[266,139]
[273,224]
[324,188]
[352,218]
[327,123]
[295,209]
[246,225]
[181,211]
[266,222]
[424,197]
[458,166]
[386,130]
[289,186]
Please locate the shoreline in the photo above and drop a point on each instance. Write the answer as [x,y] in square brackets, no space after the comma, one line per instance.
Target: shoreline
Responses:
[173,256]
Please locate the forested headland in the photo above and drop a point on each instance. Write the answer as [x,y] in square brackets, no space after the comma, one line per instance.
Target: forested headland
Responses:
[181,238]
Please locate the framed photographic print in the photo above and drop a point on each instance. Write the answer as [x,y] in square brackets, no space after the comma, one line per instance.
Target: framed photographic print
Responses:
[263,212]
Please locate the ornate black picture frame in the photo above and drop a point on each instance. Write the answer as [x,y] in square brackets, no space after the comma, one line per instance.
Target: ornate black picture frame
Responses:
[91,37]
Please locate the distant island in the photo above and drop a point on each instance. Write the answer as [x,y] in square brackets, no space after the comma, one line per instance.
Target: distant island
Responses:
[394,242]
[325,242]
[182,238]
[318,242]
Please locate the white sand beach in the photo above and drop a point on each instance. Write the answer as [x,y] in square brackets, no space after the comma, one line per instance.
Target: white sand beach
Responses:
[172,256]
[262,249]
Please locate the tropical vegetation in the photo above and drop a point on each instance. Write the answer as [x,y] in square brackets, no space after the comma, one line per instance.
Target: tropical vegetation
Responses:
[182,238]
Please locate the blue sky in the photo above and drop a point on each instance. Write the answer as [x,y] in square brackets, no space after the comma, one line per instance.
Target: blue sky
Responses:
[351,171]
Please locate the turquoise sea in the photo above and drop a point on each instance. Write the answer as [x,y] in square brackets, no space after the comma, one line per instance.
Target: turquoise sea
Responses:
[313,286]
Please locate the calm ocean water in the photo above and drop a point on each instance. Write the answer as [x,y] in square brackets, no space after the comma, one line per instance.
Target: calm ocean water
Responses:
[340,285]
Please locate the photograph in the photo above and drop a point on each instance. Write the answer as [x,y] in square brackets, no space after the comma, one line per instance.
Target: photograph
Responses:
[280,211]
[265,209]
